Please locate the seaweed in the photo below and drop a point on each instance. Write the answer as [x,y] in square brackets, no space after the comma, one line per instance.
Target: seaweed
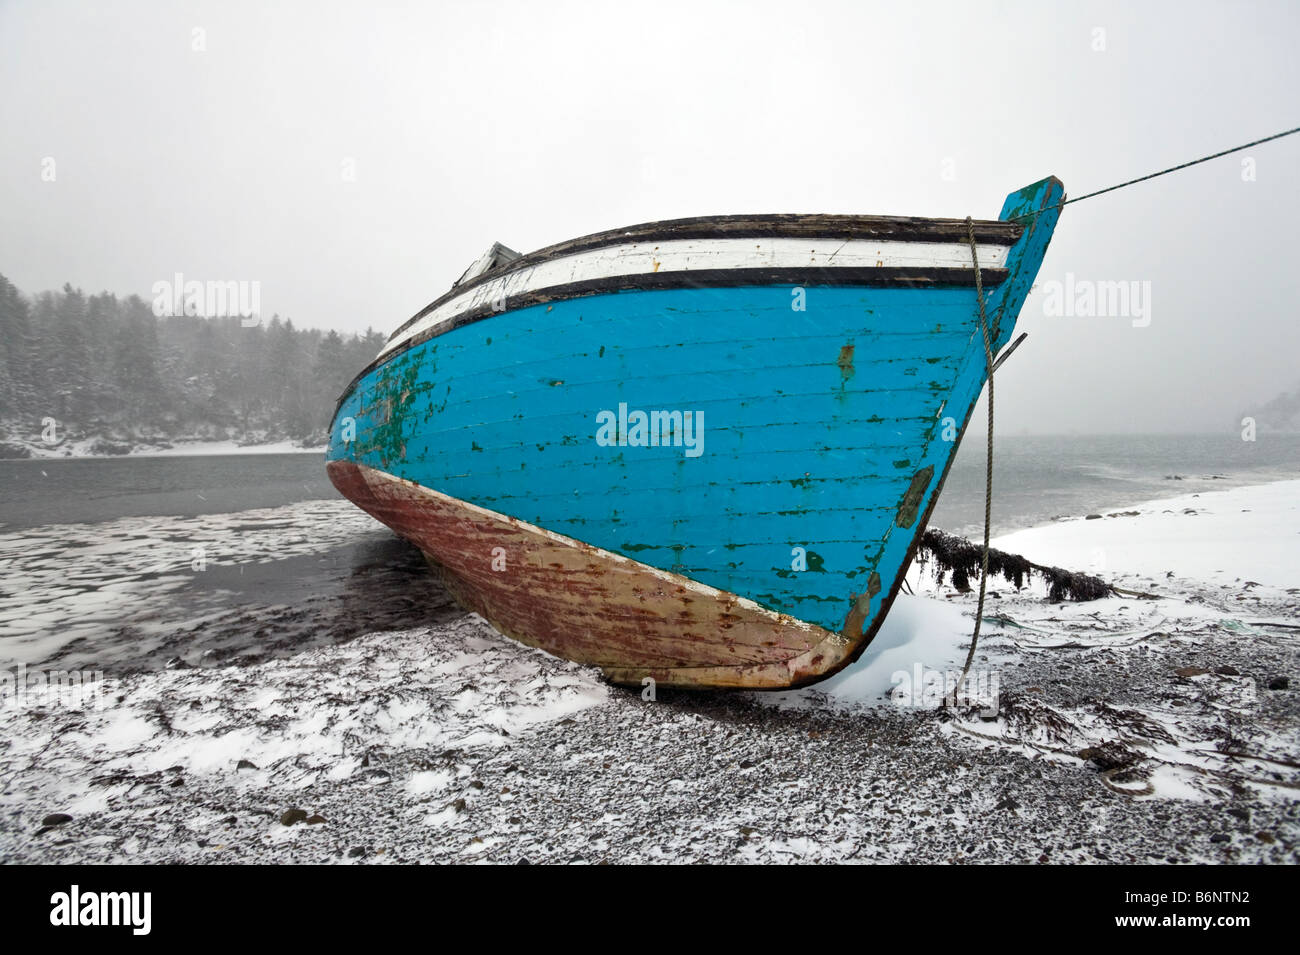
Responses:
[1027,715]
[958,557]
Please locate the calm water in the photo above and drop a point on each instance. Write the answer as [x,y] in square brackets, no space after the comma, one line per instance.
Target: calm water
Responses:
[1038,478]
[80,490]
[1035,479]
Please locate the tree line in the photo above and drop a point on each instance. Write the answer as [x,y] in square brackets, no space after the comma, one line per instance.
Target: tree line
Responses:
[108,366]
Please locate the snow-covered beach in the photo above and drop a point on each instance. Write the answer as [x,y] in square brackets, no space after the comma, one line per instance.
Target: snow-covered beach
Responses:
[1120,730]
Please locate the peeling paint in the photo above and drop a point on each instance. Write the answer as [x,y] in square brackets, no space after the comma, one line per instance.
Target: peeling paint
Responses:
[911,503]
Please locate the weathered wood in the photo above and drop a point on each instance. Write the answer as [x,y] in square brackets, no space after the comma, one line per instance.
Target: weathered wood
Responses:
[593,606]
[770,226]
[708,253]
[768,558]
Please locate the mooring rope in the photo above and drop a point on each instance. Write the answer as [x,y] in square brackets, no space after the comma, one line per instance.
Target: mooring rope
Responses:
[1162,172]
[988,469]
[988,358]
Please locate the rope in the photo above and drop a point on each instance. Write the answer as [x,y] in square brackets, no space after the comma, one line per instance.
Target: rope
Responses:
[988,470]
[1162,172]
[988,357]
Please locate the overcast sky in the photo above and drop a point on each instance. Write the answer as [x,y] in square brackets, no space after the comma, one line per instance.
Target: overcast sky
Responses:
[216,139]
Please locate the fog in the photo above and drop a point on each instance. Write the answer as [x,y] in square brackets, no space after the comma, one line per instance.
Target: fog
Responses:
[354,157]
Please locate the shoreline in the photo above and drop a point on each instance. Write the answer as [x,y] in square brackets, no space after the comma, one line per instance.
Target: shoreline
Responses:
[1118,730]
[1097,542]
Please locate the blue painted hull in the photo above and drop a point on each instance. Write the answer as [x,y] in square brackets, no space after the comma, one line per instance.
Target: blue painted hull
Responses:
[815,446]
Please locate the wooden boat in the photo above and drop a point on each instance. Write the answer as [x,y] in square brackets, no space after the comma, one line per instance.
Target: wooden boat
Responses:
[699,451]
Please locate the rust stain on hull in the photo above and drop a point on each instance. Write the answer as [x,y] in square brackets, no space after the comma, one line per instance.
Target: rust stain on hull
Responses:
[596,607]
[845,362]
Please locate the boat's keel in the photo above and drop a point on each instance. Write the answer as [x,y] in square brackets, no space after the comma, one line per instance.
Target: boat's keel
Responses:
[596,607]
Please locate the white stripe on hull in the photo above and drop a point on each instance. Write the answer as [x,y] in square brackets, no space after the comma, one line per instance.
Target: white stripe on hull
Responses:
[681,255]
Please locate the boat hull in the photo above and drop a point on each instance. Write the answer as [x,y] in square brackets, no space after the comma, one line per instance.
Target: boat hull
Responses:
[707,484]
[591,605]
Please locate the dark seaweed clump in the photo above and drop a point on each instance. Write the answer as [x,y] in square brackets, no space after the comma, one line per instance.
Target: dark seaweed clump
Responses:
[962,559]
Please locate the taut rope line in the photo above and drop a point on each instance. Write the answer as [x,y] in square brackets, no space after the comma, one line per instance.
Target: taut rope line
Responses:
[1163,172]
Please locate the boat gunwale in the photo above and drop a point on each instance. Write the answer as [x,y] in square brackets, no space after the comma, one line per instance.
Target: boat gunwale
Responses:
[766,226]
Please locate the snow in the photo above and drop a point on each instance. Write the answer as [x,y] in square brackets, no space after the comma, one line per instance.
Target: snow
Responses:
[1246,533]
[1219,538]
[1124,729]
[917,632]
[1223,563]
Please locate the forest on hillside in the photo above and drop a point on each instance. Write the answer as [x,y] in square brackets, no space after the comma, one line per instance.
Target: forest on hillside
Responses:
[108,367]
